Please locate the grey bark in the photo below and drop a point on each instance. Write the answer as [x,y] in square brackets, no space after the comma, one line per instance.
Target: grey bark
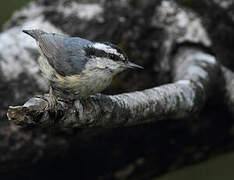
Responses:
[229,88]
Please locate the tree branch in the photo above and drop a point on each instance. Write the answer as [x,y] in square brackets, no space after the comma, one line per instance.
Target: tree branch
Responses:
[229,88]
[194,73]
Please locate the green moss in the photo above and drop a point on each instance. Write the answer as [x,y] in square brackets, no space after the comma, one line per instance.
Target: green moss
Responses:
[8,7]
[193,4]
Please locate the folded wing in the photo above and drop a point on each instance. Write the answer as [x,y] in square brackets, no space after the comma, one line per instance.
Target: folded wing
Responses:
[65,54]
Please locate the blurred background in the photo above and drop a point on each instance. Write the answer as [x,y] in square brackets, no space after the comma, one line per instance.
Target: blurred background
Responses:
[8,7]
[212,167]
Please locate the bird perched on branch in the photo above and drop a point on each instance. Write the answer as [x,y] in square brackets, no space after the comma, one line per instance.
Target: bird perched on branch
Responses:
[75,67]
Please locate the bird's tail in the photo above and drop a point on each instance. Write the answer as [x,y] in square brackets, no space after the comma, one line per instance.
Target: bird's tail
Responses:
[34,33]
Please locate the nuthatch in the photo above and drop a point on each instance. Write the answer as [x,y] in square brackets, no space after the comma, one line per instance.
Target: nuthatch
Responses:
[76,67]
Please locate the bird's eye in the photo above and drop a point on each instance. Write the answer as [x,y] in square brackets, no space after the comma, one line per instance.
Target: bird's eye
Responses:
[111,56]
[114,57]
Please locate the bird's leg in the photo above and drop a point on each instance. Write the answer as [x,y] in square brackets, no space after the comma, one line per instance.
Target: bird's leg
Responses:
[54,102]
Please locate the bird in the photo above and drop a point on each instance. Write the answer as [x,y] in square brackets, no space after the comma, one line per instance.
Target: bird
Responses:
[75,67]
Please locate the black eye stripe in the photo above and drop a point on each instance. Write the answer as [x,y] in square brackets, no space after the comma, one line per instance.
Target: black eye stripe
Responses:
[95,52]
[100,53]
[115,57]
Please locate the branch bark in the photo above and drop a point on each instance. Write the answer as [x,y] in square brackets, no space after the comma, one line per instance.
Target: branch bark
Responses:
[229,89]
[195,73]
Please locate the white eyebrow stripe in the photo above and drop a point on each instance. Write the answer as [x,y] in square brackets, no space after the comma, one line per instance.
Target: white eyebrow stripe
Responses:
[107,49]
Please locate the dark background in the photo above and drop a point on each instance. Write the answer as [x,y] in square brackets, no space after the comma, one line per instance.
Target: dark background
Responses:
[217,167]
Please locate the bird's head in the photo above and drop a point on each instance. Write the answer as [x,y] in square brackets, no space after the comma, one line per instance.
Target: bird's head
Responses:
[110,57]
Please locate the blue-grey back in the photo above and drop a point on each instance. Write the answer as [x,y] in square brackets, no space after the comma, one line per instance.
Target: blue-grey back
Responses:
[74,52]
[65,54]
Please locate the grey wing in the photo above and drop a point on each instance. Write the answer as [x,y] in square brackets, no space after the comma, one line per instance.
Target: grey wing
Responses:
[64,54]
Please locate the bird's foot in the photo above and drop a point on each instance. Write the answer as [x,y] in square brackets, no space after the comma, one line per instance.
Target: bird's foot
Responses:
[53,105]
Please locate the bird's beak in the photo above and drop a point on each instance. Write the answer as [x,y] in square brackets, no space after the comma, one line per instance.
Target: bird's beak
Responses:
[133,65]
